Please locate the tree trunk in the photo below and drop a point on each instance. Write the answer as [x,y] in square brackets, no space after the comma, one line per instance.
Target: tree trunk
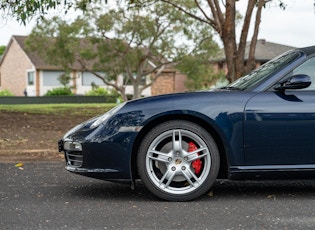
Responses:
[251,63]
[229,40]
[235,55]
[136,90]
[240,57]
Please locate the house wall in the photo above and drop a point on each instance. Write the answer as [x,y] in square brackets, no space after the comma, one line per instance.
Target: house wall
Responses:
[164,84]
[84,82]
[145,93]
[170,82]
[15,59]
[180,83]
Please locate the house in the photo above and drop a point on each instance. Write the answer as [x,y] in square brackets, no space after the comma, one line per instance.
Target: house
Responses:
[22,71]
[264,52]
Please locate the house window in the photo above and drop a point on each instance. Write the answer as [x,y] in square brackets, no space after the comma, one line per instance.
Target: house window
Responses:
[51,78]
[127,80]
[88,79]
[30,78]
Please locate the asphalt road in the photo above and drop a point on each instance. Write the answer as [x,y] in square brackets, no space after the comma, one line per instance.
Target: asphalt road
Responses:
[44,196]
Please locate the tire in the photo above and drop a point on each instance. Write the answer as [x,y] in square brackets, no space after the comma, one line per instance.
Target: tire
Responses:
[178,161]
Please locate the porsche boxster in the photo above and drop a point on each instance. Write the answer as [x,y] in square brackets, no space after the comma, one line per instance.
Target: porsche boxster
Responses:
[261,126]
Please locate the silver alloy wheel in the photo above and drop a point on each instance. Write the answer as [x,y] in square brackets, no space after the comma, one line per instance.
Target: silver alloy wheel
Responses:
[169,163]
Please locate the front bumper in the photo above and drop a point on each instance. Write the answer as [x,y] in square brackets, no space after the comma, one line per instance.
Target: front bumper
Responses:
[109,159]
[75,164]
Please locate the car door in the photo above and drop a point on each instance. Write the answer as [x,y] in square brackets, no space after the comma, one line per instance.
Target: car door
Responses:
[279,127]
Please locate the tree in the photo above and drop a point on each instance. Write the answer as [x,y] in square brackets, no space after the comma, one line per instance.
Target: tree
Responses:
[200,73]
[222,16]
[134,43]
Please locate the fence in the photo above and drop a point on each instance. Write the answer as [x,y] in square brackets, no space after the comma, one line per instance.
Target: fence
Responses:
[57,100]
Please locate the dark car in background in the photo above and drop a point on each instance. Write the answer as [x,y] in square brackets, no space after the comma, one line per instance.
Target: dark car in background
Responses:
[261,126]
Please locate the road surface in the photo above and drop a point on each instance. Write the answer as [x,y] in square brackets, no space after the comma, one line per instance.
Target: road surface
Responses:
[43,195]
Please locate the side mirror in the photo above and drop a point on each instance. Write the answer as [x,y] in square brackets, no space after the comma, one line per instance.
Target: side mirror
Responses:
[300,81]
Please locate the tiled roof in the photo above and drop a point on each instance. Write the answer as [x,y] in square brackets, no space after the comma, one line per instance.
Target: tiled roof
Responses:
[38,62]
[264,50]
[268,50]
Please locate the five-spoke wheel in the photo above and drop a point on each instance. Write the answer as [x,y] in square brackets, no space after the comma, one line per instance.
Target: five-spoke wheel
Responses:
[178,160]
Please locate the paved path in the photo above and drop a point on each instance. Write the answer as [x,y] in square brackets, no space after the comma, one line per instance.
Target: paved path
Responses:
[44,196]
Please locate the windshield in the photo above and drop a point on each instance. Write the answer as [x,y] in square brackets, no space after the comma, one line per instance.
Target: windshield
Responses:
[264,71]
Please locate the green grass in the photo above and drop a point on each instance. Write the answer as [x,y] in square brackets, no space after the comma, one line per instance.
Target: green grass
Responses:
[60,109]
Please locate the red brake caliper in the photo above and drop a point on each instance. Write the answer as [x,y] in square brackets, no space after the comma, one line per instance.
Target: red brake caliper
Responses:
[197,163]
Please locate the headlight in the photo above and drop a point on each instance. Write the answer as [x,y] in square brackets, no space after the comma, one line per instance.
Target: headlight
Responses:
[107,115]
[72,146]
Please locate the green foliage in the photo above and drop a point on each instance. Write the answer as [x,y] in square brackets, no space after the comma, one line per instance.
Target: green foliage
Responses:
[98,91]
[112,95]
[2,48]
[25,10]
[64,79]
[4,93]
[65,91]
[200,73]
[196,65]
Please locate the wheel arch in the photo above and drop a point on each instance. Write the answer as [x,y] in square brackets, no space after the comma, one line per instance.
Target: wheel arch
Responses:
[223,171]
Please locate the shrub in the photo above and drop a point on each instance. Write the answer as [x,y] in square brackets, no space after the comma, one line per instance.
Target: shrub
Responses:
[64,91]
[111,95]
[97,91]
[4,93]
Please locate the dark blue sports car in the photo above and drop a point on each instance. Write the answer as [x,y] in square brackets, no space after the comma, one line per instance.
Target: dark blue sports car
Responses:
[262,126]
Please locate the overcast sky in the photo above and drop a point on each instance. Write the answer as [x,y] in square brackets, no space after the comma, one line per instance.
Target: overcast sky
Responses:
[294,26]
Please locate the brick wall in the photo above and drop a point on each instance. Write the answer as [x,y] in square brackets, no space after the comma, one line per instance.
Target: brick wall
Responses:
[14,59]
[164,84]
[171,82]
[180,83]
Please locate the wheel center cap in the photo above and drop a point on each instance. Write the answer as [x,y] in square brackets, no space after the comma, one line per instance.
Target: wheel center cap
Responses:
[178,161]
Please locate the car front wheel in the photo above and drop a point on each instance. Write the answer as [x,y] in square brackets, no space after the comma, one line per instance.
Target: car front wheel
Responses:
[178,161]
